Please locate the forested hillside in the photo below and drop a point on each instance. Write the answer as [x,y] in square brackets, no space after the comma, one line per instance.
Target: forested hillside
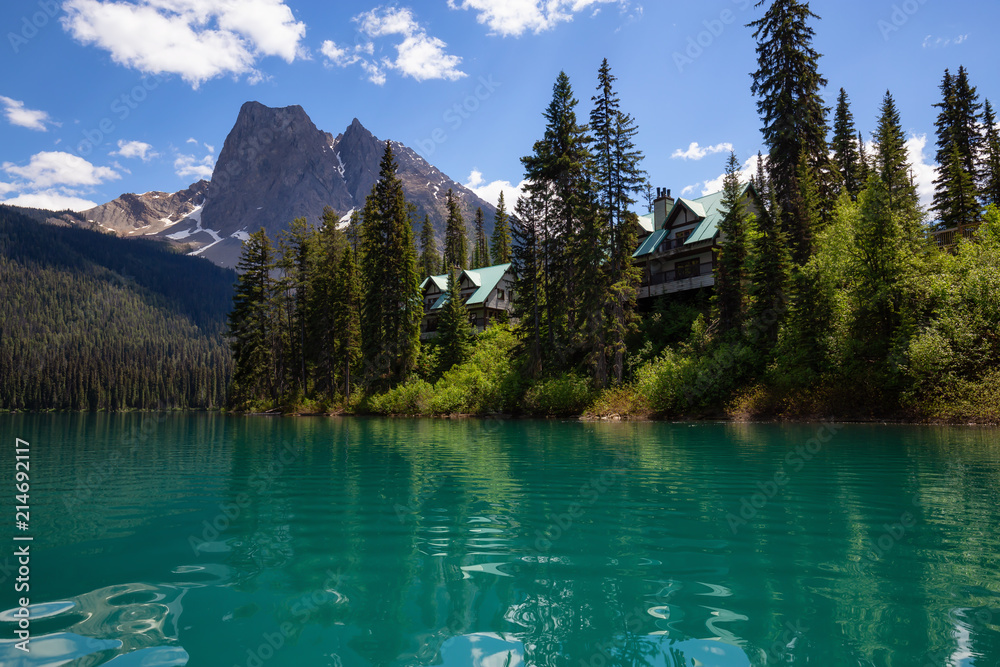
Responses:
[93,322]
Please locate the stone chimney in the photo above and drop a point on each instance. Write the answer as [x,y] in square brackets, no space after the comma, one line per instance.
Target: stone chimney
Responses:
[662,206]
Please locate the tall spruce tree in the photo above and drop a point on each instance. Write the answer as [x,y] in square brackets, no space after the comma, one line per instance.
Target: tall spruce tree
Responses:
[481,247]
[959,146]
[557,175]
[989,173]
[845,147]
[322,339]
[891,164]
[768,270]
[392,305]
[252,324]
[454,330]
[618,179]
[527,263]
[731,268]
[500,243]
[455,252]
[297,248]
[788,83]
[347,317]
[430,258]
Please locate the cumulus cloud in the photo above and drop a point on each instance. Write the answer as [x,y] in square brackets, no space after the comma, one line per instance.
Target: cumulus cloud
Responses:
[135,149]
[512,18]
[54,180]
[696,152]
[703,188]
[923,167]
[195,39]
[418,54]
[191,166]
[21,116]
[491,191]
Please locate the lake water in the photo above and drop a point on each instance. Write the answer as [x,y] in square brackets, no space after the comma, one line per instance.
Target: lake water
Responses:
[229,541]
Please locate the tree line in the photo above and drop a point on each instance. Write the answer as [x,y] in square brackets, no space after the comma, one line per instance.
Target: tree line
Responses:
[89,321]
[328,308]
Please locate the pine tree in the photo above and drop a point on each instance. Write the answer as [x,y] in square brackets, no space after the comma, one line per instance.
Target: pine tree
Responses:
[845,148]
[788,83]
[768,269]
[864,162]
[430,259]
[323,332]
[959,146]
[761,181]
[296,258]
[557,176]
[731,271]
[528,267]
[990,170]
[454,330]
[392,305]
[891,164]
[455,253]
[481,247]
[500,243]
[347,317]
[617,179]
[251,323]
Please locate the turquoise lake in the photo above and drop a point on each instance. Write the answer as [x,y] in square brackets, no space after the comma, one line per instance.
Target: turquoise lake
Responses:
[218,541]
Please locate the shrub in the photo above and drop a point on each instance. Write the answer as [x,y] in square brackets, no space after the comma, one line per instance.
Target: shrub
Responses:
[566,394]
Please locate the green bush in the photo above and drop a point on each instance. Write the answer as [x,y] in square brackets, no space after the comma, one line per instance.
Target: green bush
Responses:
[566,394]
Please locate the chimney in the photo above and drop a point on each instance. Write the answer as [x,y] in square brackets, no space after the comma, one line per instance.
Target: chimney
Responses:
[662,206]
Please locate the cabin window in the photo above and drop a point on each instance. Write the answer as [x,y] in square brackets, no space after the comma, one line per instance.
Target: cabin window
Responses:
[500,295]
[682,237]
[689,268]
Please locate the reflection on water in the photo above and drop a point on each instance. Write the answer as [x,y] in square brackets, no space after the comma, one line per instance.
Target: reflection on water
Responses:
[438,543]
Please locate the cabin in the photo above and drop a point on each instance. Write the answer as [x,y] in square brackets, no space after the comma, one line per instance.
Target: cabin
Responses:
[679,242]
[486,292]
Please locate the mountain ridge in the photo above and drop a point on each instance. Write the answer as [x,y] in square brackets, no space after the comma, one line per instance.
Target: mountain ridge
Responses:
[277,165]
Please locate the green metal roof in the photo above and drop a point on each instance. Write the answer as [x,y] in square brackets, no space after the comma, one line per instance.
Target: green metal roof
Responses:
[440,281]
[651,243]
[708,208]
[485,279]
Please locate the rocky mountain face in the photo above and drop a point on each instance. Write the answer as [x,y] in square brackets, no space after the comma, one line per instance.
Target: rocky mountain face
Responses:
[147,214]
[275,166]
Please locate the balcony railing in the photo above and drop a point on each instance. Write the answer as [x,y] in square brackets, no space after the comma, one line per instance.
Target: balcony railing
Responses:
[703,269]
[948,237]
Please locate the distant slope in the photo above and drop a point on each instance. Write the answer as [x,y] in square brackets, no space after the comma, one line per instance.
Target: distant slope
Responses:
[91,321]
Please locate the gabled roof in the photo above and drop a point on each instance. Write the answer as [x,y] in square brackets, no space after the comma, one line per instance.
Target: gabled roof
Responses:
[485,279]
[441,282]
[707,209]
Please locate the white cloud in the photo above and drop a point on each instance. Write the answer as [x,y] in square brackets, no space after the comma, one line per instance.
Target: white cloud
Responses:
[418,55]
[21,116]
[54,180]
[196,39]
[932,42]
[51,200]
[189,166]
[924,169]
[133,149]
[696,152]
[511,18]
[491,191]
[51,168]
[748,170]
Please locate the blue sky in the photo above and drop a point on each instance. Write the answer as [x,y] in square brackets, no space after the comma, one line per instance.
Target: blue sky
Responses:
[101,97]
